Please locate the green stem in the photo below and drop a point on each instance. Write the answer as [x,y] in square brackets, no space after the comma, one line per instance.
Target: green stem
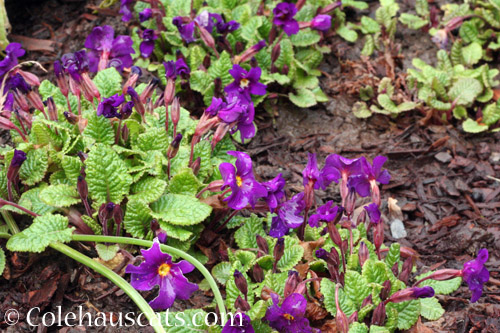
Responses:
[116,279]
[171,250]
[14,229]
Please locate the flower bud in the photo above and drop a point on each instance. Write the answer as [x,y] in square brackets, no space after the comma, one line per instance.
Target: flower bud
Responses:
[139,106]
[262,244]
[207,61]
[251,51]
[409,294]
[135,74]
[378,235]
[367,301]
[148,91]
[218,87]
[241,283]
[241,304]
[258,273]
[118,217]
[350,202]
[206,37]
[175,111]
[15,164]
[125,133]
[174,146]
[406,270]
[285,69]
[51,108]
[340,318]
[238,47]
[162,236]
[361,218]
[363,253]
[378,317]
[386,290]
[195,166]
[70,117]
[169,92]
[279,249]
[82,188]
[291,283]
[354,317]
[275,53]
[334,233]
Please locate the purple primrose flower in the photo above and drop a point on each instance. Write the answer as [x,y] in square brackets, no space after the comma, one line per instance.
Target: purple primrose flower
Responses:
[158,269]
[75,64]
[325,213]
[109,106]
[245,83]
[145,15]
[12,51]
[321,22]
[283,17]
[245,190]
[373,212]
[186,30]
[370,174]
[105,50]
[275,191]
[476,275]
[126,10]
[239,113]
[148,42]
[241,324]
[288,216]
[290,317]
[227,27]
[18,158]
[182,69]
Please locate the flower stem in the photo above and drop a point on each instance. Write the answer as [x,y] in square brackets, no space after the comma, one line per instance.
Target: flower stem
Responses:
[9,220]
[171,250]
[154,320]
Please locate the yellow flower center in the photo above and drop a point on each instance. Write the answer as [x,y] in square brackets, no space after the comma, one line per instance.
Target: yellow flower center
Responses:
[288,316]
[164,270]
[239,181]
[244,83]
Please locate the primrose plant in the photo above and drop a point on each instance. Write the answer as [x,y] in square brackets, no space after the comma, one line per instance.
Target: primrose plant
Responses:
[333,256]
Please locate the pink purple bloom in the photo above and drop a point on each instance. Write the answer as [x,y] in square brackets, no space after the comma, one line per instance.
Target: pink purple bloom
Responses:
[373,213]
[283,17]
[18,159]
[227,27]
[476,275]
[245,83]
[325,213]
[290,316]
[321,22]
[12,51]
[208,20]
[241,324]
[158,269]
[310,173]
[288,216]
[126,9]
[186,30]
[245,190]
[106,50]
[109,106]
[370,174]
[145,14]
[409,294]
[148,42]
[75,64]
[275,191]
[182,69]
[238,113]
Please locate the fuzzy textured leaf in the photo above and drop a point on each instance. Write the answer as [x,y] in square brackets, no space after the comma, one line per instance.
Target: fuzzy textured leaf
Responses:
[180,209]
[430,308]
[60,195]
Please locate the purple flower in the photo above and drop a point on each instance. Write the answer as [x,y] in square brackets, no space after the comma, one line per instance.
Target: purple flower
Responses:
[239,113]
[75,64]
[126,10]
[182,69]
[290,317]
[424,292]
[409,294]
[288,216]
[321,22]
[373,213]
[105,50]
[370,174]
[186,30]
[148,42]
[310,172]
[170,69]
[208,20]
[476,275]
[325,213]
[12,51]
[17,82]
[275,191]
[283,17]
[241,324]
[227,27]
[158,269]
[216,105]
[145,15]
[245,83]
[244,188]
[345,167]
[108,107]
[18,158]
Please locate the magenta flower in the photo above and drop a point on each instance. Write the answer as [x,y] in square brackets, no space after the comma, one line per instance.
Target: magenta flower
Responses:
[241,324]
[283,17]
[126,9]
[148,42]
[373,213]
[245,83]
[208,20]
[275,191]
[245,190]
[370,174]
[18,159]
[145,15]
[105,50]
[109,106]
[476,275]
[75,64]
[216,105]
[12,52]
[227,27]
[345,167]
[159,270]
[288,216]
[290,317]
[182,69]
[325,213]
[186,30]
[239,113]
[321,22]
[409,294]
[310,173]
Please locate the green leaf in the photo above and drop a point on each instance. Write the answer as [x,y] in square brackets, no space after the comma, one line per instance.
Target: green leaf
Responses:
[2,261]
[275,281]
[305,37]
[304,98]
[258,310]
[221,272]
[386,102]
[148,189]
[99,129]
[72,166]
[107,176]
[292,254]
[250,30]
[106,252]
[412,21]
[465,90]
[286,54]
[491,114]
[34,168]
[369,25]
[440,287]
[408,313]
[385,87]
[180,209]
[430,308]
[196,56]
[472,53]
[346,33]
[246,258]
[393,254]
[109,82]
[60,195]
[358,328]
[96,227]
[153,139]
[472,126]
[44,230]
[221,67]
[356,287]
[138,218]
[184,182]
[186,321]
[200,81]
[245,236]
[31,200]
[374,271]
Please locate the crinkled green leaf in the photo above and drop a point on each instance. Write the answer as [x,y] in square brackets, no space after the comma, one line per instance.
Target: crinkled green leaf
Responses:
[491,114]
[356,287]
[180,209]
[220,68]
[471,54]
[465,90]
[153,139]
[245,236]
[99,130]
[412,21]
[440,287]
[31,200]
[44,230]
[472,126]
[2,261]
[34,168]
[430,308]
[346,33]
[408,313]
[358,328]
[107,252]
[72,166]
[305,37]
[60,195]
[147,189]
[107,176]
[304,98]
[184,182]
[221,272]
[138,218]
[108,81]
[393,255]
[374,271]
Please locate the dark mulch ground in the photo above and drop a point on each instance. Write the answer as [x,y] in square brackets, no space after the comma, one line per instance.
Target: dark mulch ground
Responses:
[445,181]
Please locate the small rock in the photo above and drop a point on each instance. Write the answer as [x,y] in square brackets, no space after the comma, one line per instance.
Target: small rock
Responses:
[443,157]
[495,158]
[398,229]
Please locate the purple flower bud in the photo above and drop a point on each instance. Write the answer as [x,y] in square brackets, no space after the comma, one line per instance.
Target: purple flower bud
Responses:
[363,253]
[262,244]
[386,290]
[279,249]
[409,294]
[378,317]
[148,42]
[170,71]
[253,50]
[241,283]
[175,111]
[145,14]
[258,273]
[136,100]
[241,304]
[126,110]
[186,30]
[174,146]
[108,107]
[291,283]
[373,213]
[195,166]
[70,117]
[321,22]
[476,275]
